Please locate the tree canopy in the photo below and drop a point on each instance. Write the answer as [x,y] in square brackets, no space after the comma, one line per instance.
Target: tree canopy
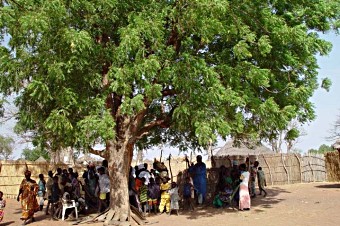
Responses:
[191,70]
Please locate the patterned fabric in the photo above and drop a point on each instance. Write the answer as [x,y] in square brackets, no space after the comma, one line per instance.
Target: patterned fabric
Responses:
[29,203]
[143,191]
[244,202]
[2,206]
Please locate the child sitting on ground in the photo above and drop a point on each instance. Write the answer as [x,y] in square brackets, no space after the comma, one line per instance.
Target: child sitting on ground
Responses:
[2,206]
[174,198]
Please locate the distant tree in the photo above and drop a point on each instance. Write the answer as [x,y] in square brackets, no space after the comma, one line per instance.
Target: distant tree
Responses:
[34,154]
[335,131]
[322,149]
[6,147]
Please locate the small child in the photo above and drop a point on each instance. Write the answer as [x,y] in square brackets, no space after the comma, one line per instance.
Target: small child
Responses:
[187,190]
[143,195]
[174,198]
[261,179]
[165,196]
[2,206]
[41,191]
[153,194]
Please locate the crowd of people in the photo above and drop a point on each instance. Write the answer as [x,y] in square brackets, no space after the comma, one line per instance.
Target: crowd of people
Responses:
[149,190]
[237,184]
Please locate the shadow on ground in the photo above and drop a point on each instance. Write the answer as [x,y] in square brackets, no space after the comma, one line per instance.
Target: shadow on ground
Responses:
[258,205]
[328,186]
[8,223]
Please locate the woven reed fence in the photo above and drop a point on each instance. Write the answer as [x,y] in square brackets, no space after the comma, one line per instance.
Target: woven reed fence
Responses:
[12,173]
[333,166]
[286,168]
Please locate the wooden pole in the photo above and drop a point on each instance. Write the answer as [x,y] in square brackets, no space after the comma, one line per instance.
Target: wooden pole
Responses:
[284,166]
[170,168]
[297,157]
[269,169]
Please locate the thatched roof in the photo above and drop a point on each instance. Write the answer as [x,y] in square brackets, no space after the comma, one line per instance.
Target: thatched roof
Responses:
[41,159]
[86,159]
[336,145]
[242,149]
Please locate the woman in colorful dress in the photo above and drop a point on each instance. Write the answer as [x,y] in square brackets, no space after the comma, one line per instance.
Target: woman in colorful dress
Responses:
[244,203]
[27,194]
[2,206]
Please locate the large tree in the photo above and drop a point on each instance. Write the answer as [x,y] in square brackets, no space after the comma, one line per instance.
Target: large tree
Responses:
[133,72]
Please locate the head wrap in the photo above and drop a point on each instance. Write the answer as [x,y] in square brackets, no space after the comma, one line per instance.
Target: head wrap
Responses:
[27,173]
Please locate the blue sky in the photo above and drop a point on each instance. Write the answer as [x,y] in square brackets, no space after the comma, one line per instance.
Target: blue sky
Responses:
[327,106]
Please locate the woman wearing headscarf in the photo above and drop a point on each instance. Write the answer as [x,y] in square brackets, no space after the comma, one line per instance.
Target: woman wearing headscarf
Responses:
[27,194]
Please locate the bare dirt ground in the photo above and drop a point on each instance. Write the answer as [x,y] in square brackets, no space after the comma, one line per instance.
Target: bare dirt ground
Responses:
[290,205]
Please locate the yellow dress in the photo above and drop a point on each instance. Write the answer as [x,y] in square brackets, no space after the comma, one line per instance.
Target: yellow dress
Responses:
[29,203]
[165,197]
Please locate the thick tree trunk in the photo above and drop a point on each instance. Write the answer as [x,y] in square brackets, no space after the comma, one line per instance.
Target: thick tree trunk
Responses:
[120,157]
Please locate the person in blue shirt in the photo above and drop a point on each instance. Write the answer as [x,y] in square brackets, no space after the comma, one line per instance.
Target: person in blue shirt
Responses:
[199,175]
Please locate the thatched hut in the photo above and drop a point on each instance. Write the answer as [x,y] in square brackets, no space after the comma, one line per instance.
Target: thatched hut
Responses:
[230,152]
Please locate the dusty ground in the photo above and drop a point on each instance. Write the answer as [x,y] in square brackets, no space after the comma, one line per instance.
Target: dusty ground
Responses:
[299,204]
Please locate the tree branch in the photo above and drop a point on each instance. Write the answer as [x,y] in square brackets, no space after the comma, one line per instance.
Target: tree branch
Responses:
[101,153]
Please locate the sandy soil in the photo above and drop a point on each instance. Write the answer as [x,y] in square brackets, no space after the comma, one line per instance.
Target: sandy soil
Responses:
[295,205]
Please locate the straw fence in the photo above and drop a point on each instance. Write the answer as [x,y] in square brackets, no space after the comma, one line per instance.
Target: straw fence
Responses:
[12,173]
[285,168]
[333,166]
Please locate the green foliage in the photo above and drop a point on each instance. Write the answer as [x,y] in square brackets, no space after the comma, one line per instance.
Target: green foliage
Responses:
[34,154]
[322,149]
[6,147]
[326,84]
[181,72]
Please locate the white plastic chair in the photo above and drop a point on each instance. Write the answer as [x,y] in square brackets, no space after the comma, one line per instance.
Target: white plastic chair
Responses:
[68,205]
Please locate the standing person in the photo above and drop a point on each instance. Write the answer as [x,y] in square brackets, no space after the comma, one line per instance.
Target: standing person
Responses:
[143,195]
[27,193]
[104,189]
[153,194]
[165,196]
[261,179]
[188,187]
[75,184]
[49,184]
[2,206]
[244,202]
[174,198]
[199,173]
[55,195]
[253,174]
[41,191]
